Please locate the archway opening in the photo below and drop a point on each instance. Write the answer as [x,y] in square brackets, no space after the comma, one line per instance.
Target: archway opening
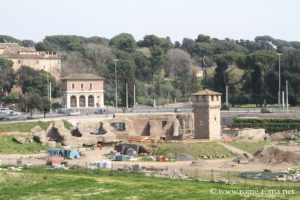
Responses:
[82,101]
[73,101]
[91,101]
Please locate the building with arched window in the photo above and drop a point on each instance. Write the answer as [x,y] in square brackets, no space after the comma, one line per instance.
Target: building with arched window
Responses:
[83,91]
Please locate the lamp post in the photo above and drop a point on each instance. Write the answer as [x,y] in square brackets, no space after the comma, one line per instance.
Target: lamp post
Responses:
[49,90]
[48,83]
[116,80]
[279,82]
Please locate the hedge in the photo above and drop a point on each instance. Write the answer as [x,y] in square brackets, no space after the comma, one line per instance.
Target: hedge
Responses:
[271,125]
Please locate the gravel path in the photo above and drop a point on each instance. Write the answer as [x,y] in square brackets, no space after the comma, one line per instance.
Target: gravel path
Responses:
[235,150]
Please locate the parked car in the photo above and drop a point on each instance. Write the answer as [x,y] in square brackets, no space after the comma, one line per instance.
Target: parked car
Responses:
[100,111]
[64,111]
[7,114]
[178,110]
[74,113]
[265,110]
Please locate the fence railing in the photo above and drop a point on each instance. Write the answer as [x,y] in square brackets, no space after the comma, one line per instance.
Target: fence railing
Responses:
[235,177]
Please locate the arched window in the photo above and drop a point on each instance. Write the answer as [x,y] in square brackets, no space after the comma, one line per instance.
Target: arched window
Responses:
[82,101]
[91,101]
[73,101]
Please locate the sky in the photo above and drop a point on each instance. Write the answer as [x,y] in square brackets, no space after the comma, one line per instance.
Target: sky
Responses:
[178,19]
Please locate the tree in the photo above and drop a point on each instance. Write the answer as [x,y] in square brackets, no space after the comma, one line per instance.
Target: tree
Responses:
[142,67]
[152,40]
[126,69]
[203,38]
[187,45]
[227,63]
[28,43]
[290,68]
[75,62]
[31,80]
[32,101]
[126,74]
[124,42]
[7,77]
[44,105]
[178,62]
[99,56]
[9,39]
[261,63]
[156,60]
[43,46]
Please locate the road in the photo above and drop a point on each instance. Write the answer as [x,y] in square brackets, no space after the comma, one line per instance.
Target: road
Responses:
[227,116]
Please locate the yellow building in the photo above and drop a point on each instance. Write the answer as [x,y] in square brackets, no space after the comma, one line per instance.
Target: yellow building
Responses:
[48,61]
[82,91]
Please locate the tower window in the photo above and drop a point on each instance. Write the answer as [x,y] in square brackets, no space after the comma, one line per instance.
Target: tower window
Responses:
[164,123]
[91,86]
[73,85]
[81,86]
[212,98]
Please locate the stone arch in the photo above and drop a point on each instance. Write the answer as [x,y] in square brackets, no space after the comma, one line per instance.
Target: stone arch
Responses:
[82,101]
[73,101]
[91,101]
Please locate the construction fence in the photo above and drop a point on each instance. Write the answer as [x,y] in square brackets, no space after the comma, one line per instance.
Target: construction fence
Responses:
[268,179]
[251,178]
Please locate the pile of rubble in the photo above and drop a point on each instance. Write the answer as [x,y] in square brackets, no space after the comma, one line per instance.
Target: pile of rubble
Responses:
[181,157]
[272,155]
[12,168]
[242,159]
[170,173]
[198,163]
[292,175]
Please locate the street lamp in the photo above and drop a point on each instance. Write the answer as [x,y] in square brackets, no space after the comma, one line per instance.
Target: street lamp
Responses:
[49,89]
[116,60]
[279,82]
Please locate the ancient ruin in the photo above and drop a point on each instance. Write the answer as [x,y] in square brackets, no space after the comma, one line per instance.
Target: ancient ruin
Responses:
[207,105]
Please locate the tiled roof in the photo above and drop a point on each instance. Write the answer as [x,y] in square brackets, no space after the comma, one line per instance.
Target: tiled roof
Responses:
[206,92]
[14,50]
[82,77]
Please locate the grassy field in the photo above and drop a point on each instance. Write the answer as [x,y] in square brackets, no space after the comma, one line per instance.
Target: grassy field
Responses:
[68,125]
[23,126]
[8,146]
[45,184]
[197,150]
[250,147]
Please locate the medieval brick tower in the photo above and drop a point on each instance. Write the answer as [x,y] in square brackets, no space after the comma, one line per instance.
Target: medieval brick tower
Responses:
[207,105]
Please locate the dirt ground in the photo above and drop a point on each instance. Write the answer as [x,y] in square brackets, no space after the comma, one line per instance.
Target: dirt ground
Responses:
[97,154]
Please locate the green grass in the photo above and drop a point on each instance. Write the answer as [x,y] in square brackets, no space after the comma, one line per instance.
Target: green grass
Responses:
[250,147]
[46,185]
[23,126]
[8,146]
[197,150]
[68,125]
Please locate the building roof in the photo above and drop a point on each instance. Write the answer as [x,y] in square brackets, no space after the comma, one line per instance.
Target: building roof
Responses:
[206,92]
[14,50]
[82,77]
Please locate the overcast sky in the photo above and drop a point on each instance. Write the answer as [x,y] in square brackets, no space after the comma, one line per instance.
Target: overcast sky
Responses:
[237,19]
